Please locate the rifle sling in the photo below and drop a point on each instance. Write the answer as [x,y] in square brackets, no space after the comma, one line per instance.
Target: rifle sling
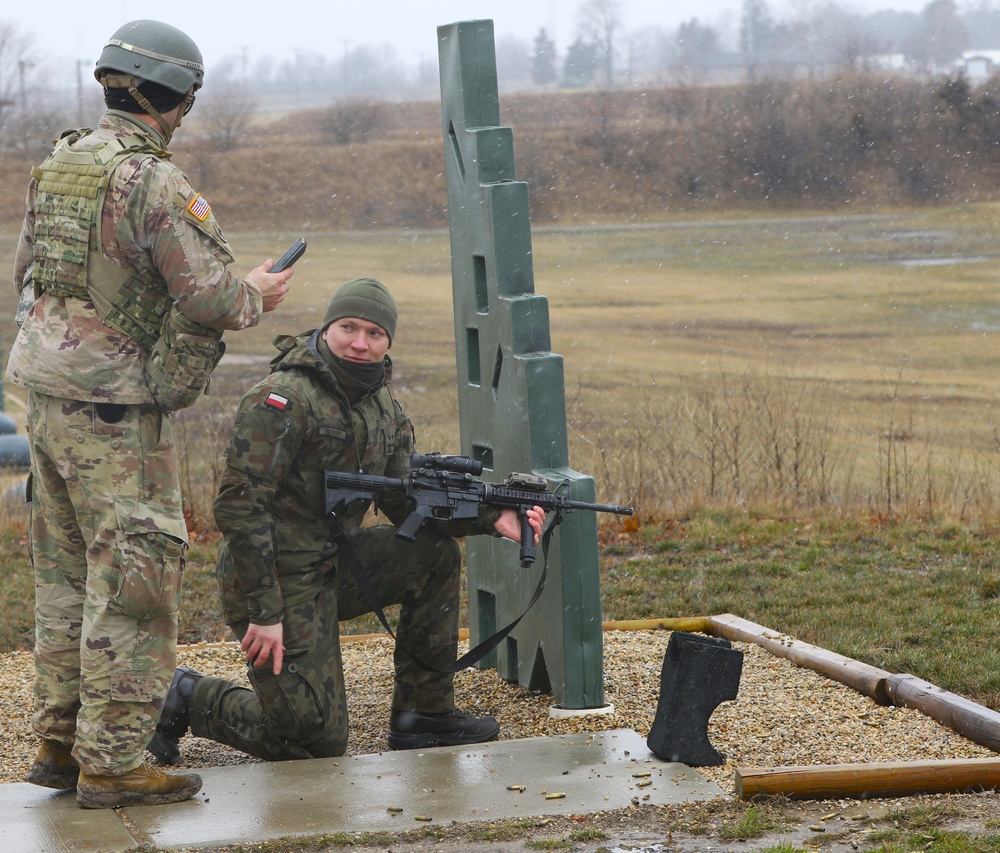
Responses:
[473,655]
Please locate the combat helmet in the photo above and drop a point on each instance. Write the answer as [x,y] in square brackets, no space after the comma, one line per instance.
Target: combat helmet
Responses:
[151,51]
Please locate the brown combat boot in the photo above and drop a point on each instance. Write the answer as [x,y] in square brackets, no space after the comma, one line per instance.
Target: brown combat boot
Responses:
[54,767]
[144,786]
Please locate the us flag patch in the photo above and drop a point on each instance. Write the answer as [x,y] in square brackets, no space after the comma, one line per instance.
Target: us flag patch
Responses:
[276,401]
[199,208]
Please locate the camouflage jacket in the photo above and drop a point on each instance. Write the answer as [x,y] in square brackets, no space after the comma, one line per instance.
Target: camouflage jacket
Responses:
[306,417]
[153,222]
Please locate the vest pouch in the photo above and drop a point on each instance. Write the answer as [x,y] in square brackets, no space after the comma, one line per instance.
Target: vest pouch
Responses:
[181,362]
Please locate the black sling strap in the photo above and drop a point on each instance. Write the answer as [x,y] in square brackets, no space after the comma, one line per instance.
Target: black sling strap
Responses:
[473,655]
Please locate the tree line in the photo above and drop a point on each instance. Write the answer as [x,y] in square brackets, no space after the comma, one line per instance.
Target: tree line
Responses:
[605,50]
[850,139]
[855,142]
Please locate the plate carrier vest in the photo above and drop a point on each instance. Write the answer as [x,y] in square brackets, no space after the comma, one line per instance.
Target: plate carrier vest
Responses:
[69,262]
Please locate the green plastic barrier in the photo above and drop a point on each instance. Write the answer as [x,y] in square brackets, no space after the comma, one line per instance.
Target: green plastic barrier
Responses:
[511,391]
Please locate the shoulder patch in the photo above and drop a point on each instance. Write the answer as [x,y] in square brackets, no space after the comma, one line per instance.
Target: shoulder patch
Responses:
[199,208]
[276,401]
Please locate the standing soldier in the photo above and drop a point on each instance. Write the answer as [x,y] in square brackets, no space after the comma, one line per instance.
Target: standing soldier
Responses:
[126,292]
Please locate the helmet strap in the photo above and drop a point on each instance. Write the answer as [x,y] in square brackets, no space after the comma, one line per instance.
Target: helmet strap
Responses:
[131,83]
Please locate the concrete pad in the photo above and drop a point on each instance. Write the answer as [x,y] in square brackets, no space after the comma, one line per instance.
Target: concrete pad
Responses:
[39,820]
[391,791]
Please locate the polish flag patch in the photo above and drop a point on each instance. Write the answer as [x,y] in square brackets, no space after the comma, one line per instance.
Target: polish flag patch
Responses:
[276,401]
[199,208]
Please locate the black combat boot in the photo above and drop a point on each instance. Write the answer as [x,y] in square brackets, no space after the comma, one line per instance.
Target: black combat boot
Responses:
[415,730]
[175,716]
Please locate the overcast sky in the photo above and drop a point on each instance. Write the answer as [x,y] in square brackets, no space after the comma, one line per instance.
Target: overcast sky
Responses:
[66,32]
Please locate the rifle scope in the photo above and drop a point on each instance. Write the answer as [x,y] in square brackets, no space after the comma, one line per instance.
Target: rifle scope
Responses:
[456,464]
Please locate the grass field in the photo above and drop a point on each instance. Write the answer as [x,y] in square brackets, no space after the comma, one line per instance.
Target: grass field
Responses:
[775,364]
[843,361]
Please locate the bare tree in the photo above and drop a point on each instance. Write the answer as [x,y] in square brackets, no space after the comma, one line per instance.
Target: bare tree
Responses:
[832,34]
[941,37]
[16,75]
[695,48]
[982,22]
[756,33]
[514,60]
[599,23]
[228,105]
[580,65]
[371,70]
[226,115]
[352,122]
[543,63]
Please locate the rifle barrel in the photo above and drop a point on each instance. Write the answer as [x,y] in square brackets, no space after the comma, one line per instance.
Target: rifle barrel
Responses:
[617,510]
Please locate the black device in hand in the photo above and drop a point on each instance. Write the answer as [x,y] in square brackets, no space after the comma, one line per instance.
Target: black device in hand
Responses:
[296,251]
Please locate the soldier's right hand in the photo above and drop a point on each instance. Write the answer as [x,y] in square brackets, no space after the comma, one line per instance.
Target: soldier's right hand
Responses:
[263,643]
[272,286]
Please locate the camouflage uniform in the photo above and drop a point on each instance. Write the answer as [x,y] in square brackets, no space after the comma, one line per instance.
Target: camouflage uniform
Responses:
[277,562]
[108,536]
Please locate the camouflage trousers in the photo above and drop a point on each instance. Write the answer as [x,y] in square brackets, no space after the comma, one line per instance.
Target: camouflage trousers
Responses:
[108,541]
[302,712]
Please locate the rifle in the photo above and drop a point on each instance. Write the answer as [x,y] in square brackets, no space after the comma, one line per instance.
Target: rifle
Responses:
[446,488]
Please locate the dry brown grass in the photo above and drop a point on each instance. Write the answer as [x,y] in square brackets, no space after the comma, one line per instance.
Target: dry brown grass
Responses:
[851,143]
[775,365]
[722,358]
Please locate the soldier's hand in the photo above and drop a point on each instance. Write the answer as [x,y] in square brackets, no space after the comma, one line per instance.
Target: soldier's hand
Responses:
[262,643]
[273,287]
[509,524]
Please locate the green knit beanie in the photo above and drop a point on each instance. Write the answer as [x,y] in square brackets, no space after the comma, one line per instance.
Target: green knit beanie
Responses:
[366,299]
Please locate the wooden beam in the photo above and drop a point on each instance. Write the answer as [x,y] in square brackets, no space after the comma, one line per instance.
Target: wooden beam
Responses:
[865,679]
[692,624]
[973,721]
[880,779]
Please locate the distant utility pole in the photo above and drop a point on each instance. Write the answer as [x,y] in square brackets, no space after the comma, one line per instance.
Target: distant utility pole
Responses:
[79,92]
[751,11]
[22,66]
[347,66]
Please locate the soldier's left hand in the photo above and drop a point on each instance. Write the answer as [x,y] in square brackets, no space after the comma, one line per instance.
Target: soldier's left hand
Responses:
[273,286]
[508,524]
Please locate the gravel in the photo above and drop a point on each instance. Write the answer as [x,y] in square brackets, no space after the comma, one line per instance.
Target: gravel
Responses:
[783,715]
